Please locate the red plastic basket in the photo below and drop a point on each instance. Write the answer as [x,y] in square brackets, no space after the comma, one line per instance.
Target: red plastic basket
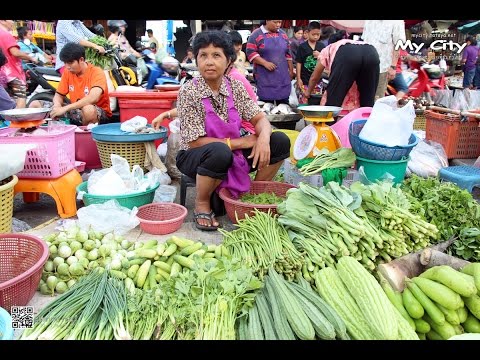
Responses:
[161,218]
[21,264]
[239,208]
[461,140]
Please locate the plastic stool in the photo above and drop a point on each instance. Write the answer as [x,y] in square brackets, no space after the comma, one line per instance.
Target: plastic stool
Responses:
[464,176]
[62,190]
[216,203]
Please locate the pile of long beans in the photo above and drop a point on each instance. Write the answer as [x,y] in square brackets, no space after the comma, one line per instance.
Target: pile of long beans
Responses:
[260,241]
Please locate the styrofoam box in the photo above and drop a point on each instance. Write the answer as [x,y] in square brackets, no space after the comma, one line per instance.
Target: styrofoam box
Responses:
[293,176]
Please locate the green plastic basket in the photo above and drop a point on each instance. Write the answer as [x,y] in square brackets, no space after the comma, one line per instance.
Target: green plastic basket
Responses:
[128,201]
[376,169]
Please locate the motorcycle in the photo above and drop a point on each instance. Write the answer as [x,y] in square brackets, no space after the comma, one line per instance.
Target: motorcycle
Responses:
[428,77]
[46,80]
[187,72]
[165,71]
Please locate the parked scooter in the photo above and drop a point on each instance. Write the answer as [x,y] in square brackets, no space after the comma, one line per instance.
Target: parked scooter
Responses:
[47,80]
[429,77]
[165,71]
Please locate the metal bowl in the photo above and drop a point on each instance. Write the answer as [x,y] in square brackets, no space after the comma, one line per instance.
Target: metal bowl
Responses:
[275,118]
[317,111]
[25,114]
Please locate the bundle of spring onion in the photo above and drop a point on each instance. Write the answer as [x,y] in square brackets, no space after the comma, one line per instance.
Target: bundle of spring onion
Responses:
[95,308]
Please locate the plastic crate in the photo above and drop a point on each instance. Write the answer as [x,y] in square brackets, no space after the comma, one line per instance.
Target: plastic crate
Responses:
[293,176]
[461,140]
[53,157]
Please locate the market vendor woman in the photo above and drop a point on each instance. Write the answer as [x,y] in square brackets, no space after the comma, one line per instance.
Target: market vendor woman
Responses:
[211,108]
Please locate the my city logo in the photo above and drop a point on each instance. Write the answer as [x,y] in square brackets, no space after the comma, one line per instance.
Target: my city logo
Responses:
[436,45]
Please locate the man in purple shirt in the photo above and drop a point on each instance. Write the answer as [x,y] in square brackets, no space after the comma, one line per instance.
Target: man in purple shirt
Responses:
[469,60]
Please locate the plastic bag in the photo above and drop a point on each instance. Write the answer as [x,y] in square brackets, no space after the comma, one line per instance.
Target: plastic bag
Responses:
[165,193]
[12,158]
[134,124]
[293,99]
[108,217]
[173,145]
[106,182]
[389,125]
[427,158]
[459,101]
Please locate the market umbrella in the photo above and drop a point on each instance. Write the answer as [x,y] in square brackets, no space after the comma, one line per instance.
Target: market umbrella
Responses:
[350,26]
[470,28]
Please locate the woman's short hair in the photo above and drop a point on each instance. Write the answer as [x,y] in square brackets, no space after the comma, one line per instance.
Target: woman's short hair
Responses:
[22,31]
[327,31]
[216,38]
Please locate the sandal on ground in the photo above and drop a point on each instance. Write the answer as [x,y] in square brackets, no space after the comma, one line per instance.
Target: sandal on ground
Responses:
[207,216]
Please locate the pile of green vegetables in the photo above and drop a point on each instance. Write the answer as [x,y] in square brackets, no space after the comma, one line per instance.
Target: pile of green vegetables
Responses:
[103,61]
[443,204]
[467,246]
[340,158]
[266,198]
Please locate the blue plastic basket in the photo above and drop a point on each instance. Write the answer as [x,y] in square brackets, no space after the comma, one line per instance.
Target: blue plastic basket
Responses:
[6,330]
[373,151]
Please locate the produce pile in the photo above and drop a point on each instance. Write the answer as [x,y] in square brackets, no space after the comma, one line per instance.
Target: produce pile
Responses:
[467,245]
[443,204]
[261,242]
[441,302]
[262,198]
[75,252]
[371,223]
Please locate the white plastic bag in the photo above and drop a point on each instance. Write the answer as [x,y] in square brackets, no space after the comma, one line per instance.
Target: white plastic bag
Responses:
[106,182]
[108,217]
[12,158]
[389,125]
[165,193]
[293,99]
[134,124]
[427,158]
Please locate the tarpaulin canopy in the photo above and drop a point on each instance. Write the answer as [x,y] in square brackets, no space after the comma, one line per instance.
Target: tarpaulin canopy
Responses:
[351,26]
[472,28]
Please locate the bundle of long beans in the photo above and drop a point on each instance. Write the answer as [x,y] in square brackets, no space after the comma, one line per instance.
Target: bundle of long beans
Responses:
[260,241]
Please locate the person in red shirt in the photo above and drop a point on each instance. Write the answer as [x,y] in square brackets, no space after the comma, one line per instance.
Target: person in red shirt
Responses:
[86,86]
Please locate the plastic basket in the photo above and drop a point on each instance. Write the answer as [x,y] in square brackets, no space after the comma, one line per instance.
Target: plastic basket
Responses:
[21,262]
[420,122]
[376,169]
[134,153]
[161,218]
[373,151]
[53,157]
[237,208]
[460,140]
[128,200]
[6,330]
[6,205]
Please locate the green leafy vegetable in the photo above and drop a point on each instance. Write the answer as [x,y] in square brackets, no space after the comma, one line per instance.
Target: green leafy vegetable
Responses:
[262,198]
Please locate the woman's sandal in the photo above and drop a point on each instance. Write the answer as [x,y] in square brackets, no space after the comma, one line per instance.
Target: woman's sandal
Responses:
[206,216]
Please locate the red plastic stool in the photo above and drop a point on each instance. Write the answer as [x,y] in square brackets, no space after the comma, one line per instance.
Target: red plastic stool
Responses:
[62,190]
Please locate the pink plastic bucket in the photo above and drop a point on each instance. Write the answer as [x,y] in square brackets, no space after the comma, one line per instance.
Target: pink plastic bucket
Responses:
[341,126]
[86,149]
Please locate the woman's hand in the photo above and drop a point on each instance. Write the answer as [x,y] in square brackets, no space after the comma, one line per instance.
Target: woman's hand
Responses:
[158,120]
[270,66]
[300,85]
[261,152]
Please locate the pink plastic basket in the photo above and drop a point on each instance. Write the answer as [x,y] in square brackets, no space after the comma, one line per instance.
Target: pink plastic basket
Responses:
[161,218]
[53,156]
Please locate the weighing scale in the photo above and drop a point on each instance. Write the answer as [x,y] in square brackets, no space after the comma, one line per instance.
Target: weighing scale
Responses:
[318,135]
[26,119]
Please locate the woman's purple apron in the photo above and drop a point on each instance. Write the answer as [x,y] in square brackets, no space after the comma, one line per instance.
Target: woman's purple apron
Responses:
[273,85]
[238,179]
